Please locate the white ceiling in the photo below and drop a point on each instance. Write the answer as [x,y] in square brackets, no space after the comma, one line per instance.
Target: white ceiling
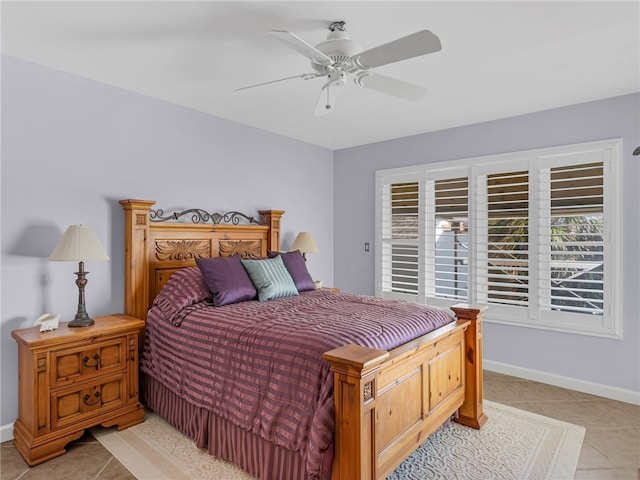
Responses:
[498,59]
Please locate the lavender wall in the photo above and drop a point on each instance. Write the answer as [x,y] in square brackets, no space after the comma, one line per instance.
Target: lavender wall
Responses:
[71,148]
[612,363]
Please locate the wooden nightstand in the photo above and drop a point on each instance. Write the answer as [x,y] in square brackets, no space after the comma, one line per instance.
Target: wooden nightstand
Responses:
[71,379]
[330,289]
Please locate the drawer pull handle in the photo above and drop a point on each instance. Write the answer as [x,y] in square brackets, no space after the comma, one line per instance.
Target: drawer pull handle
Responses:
[87,397]
[96,365]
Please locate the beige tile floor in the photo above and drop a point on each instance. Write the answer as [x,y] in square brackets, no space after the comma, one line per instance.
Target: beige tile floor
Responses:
[611,448]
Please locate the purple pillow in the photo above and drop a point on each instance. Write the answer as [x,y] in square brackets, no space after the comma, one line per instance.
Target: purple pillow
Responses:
[184,289]
[227,279]
[297,268]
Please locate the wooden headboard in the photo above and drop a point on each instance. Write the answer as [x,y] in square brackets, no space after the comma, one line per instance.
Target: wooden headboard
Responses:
[156,249]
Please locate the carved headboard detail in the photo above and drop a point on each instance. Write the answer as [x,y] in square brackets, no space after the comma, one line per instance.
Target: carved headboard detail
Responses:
[156,247]
[168,250]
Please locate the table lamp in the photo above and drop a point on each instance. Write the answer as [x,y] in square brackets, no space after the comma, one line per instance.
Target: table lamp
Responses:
[305,243]
[79,244]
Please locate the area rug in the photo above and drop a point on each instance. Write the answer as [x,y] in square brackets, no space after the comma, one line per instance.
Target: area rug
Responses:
[512,445]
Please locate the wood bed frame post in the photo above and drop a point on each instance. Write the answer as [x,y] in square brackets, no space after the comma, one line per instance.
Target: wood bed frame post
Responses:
[471,413]
[272,219]
[354,368]
[136,260]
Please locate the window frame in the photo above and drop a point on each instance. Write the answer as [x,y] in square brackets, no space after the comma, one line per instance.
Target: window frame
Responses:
[609,324]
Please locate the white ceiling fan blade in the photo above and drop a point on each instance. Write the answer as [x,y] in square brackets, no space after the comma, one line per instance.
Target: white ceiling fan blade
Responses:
[302,47]
[304,76]
[414,45]
[327,99]
[391,86]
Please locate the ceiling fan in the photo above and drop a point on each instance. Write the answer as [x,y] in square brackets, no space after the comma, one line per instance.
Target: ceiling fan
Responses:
[339,58]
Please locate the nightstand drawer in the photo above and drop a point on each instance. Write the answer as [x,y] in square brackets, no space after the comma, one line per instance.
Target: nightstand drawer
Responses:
[71,405]
[81,363]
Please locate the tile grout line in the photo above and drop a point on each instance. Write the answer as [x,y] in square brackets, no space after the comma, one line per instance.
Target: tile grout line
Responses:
[103,468]
[22,474]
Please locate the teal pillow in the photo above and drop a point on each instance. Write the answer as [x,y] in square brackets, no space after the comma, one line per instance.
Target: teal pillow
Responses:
[271,278]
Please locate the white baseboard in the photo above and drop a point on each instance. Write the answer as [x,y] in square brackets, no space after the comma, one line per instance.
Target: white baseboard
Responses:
[6,432]
[607,391]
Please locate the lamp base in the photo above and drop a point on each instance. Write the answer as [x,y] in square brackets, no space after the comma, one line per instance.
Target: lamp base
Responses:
[82,318]
[81,321]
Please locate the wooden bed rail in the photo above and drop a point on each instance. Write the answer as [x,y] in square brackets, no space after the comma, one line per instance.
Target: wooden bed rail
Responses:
[387,403]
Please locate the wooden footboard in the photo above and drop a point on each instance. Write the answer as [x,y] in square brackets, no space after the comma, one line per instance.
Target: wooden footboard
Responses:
[387,403]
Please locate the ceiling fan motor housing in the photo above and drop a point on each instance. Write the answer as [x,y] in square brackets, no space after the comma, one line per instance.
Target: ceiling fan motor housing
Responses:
[339,47]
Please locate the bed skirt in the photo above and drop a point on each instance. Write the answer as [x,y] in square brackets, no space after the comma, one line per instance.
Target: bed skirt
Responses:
[221,438]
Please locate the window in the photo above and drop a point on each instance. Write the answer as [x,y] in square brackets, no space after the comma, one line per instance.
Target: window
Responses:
[531,234]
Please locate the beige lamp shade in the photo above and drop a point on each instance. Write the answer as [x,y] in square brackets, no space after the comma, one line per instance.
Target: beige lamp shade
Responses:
[305,243]
[79,244]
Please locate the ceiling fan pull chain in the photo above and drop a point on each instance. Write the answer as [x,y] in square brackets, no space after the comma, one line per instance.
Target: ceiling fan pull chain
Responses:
[328,105]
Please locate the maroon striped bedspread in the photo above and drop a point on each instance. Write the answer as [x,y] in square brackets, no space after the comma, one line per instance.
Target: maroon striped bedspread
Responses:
[260,365]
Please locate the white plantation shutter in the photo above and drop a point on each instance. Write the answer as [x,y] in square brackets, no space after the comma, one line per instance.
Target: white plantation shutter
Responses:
[531,234]
[399,232]
[447,239]
[508,238]
[575,239]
